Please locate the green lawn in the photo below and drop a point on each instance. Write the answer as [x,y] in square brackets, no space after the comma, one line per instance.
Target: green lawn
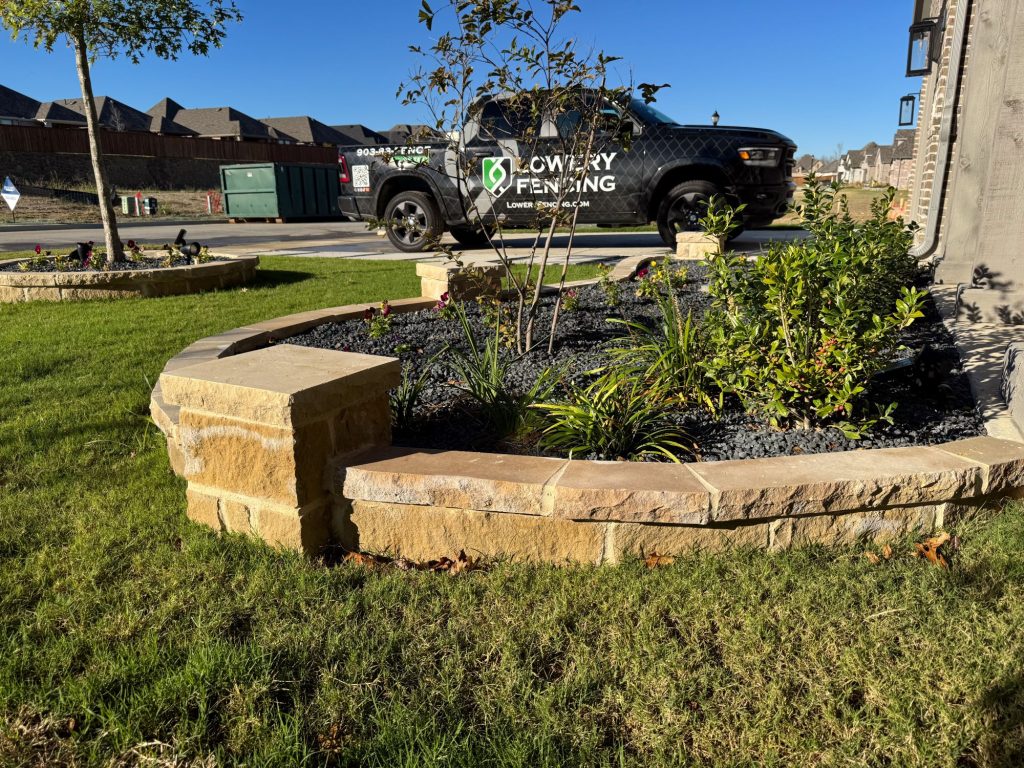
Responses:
[129,636]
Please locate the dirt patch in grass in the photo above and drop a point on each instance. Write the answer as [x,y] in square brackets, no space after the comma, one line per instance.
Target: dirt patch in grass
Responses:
[34,208]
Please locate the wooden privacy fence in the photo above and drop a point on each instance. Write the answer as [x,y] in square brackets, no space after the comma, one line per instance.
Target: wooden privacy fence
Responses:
[16,138]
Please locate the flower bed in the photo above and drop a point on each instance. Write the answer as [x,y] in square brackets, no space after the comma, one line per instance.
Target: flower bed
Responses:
[143,277]
[935,403]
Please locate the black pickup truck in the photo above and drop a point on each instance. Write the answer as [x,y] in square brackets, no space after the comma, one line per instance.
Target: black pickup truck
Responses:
[662,172]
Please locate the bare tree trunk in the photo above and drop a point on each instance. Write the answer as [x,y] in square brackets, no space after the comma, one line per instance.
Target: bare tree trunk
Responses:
[114,250]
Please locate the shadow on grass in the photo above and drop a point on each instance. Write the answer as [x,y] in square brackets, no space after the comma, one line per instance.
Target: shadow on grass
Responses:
[1004,746]
[270,278]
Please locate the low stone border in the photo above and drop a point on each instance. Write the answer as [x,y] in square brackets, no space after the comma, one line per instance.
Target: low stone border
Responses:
[16,287]
[292,444]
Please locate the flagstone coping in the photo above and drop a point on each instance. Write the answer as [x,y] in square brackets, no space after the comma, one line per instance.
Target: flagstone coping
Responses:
[233,271]
[773,502]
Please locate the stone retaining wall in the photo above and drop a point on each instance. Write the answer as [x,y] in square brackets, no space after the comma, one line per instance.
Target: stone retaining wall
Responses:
[172,281]
[292,445]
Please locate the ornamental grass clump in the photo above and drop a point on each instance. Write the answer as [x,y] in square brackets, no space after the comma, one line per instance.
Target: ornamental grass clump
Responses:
[669,356]
[483,372]
[615,417]
[798,333]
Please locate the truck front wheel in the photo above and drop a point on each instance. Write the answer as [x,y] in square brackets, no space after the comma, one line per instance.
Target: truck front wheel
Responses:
[682,208]
[412,221]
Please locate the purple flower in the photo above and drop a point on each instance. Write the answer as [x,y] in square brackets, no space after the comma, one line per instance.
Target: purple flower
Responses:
[368,314]
[642,273]
[39,249]
[444,298]
[385,308]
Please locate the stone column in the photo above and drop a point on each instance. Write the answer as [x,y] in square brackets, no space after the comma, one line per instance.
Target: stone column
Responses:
[697,245]
[460,283]
[261,435]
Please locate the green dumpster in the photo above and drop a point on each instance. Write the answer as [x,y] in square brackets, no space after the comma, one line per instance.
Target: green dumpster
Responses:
[291,191]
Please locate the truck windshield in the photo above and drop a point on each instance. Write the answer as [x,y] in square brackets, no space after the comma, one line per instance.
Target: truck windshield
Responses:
[649,114]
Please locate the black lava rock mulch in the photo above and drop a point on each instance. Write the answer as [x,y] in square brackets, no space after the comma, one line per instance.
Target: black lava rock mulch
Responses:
[935,402]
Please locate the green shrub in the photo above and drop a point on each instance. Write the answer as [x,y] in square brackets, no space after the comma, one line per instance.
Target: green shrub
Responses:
[799,332]
[616,417]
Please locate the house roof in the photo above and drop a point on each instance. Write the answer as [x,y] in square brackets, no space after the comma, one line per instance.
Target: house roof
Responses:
[805,161]
[306,130]
[831,167]
[855,156]
[360,134]
[884,155]
[903,145]
[400,133]
[17,106]
[118,116]
[222,122]
[165,108]
[52,112]
[904,134]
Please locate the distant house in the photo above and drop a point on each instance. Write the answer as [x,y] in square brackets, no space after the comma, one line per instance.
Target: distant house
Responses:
[117,116]
[224,123]
[306,130]
[850,167]
[804,166]
[19,109]
[828,172]
[881,165]
[360,134]
[902,168]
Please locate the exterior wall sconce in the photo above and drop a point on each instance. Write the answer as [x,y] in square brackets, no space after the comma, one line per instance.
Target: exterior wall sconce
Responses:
[715,118]
[925,38]
[907,109]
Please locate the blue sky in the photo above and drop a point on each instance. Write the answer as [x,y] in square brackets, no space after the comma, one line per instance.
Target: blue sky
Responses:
[822,72]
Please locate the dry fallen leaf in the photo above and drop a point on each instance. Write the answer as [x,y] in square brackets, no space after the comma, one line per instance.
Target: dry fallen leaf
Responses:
[654,560]
[931,549]
[360,558]
[872,558]
[887,552]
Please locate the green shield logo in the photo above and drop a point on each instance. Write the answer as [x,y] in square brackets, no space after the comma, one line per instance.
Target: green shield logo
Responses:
[497,174]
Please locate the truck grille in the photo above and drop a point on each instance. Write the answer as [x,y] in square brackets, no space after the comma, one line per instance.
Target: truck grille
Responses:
[788,162]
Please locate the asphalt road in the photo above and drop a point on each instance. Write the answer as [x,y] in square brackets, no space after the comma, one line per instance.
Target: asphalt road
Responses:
[333,239]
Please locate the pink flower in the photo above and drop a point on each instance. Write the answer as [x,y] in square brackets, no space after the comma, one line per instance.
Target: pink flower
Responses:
[39,249]
[368,314]
[385,308]
[444,298]
[641,274]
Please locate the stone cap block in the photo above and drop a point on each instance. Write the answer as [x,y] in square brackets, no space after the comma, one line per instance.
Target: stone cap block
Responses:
[1002,462]
[444,270]
[488,482]
[283,385]
[631,492]
[836,482]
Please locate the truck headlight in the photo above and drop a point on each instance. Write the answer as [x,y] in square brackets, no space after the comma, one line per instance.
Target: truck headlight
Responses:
[761,156]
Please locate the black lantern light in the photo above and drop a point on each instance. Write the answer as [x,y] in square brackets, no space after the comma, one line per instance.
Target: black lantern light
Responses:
[924,44]
[907,108]
[715,118]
